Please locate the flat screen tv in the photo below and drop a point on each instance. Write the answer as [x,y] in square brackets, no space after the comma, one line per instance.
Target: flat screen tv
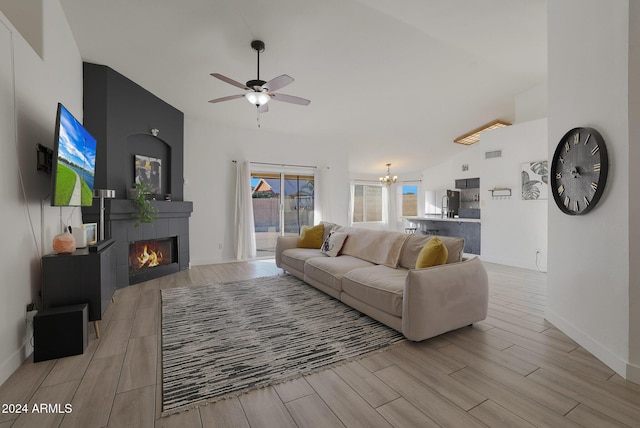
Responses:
[74,163]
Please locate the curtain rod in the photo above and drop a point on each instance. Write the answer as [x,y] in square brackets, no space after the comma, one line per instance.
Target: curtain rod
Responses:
[278,164]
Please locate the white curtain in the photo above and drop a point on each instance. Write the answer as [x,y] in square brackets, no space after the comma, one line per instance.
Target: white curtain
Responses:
[394,207]
[244,229]
[321,199]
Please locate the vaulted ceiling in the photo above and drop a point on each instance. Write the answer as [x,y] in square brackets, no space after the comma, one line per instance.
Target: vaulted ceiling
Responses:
[394,80]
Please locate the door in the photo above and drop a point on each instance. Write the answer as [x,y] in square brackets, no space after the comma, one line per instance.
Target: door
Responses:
[283,202]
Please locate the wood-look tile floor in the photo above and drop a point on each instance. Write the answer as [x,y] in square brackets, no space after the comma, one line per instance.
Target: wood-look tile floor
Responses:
[512,370]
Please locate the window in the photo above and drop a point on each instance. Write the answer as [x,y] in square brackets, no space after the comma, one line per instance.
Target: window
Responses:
[367,203]
[409,201]
[283,202]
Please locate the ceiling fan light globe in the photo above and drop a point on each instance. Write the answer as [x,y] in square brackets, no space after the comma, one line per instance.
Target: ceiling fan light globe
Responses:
[257,98]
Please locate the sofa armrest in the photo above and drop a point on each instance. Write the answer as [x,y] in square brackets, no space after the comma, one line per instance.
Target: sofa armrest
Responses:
[284,243]
[444,298]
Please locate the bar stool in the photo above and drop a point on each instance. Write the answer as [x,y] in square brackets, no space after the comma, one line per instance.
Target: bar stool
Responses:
[411,228]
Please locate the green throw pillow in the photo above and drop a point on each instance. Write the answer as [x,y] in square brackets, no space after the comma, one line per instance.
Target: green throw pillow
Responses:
[311,237]
[433,253]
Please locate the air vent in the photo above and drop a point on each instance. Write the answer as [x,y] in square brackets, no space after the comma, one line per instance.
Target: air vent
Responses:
[493,154]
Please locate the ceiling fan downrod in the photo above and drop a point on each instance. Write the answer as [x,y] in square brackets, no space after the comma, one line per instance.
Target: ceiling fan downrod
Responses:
[258,46]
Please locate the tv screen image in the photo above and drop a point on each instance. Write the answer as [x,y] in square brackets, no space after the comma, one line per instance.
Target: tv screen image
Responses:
[75,162]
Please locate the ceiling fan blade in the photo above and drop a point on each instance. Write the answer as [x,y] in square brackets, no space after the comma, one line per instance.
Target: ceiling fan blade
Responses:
[230,97]
[290,99]
[264,108]
[229,80]
[278,83]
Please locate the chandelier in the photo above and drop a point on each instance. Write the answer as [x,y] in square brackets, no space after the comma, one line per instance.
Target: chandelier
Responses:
[387,179]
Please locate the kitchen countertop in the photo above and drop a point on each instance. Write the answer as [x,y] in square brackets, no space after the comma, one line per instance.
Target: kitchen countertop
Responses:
[436,217]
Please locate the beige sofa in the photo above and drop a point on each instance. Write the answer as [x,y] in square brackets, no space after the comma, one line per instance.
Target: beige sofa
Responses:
[375,274]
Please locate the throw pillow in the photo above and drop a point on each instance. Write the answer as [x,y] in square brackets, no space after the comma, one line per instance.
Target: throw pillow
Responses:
[333,244]
[433,253]
[311,237]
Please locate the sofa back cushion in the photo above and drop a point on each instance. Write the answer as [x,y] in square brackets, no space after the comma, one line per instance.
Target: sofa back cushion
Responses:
[328,227]
[415,243]
[375,246]
[311,237]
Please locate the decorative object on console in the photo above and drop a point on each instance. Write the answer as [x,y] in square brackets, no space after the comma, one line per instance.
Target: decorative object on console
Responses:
[535,180]
[91,233]
[103,194]
[387,179]
[64,243]
[579,170]
[261,92]
[474,136]
[146,213]
[80,235]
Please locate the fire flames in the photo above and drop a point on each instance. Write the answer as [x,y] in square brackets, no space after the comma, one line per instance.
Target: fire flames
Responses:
[149,258]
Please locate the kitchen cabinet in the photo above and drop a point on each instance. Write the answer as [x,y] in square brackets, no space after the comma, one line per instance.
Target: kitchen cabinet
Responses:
[468,183]
[469,229]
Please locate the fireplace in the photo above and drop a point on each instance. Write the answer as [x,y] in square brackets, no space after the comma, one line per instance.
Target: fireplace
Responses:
[152,258]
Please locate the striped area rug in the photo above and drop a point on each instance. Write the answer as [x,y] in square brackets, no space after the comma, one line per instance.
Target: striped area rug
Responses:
[225,339]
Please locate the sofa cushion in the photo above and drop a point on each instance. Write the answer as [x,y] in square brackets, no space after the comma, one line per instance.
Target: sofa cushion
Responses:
[333,244]
[433,253]
[330,270]
[375,246]
[328,228]
[415,243]
[296,257]
[377,286]
[311,237]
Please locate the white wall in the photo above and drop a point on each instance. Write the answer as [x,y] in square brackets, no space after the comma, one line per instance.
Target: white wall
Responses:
[589,281]
[633,370]
[210,179]
[512,230]
[38,84]
[532,103]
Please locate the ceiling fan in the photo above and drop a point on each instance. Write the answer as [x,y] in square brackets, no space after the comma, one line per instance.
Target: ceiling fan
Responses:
[261,92]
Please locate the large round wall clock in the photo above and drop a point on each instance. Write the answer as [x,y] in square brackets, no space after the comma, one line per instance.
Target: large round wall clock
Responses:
[579,170]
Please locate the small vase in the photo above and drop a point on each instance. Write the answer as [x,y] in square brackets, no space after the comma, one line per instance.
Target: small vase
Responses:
[64,243]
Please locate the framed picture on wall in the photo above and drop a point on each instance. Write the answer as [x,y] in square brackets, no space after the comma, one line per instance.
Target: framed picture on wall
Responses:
[149,170]
[535,179]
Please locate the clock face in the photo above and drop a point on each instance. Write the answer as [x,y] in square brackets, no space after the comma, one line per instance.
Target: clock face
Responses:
[579,171]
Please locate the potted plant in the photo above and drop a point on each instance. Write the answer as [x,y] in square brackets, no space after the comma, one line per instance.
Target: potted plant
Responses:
[146,213]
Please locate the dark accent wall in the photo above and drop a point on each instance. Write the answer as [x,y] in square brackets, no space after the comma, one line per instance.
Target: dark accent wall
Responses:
[120,114]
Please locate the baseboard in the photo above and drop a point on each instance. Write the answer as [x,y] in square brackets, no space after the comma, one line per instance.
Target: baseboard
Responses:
[633,373]
[11,364]
[613,361]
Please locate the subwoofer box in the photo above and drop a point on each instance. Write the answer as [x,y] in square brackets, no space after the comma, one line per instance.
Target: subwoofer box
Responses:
[60,332]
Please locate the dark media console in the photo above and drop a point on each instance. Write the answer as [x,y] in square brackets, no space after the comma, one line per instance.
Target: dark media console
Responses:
[80,277]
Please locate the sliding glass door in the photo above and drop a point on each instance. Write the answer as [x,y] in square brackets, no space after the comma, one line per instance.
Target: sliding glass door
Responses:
[283,202]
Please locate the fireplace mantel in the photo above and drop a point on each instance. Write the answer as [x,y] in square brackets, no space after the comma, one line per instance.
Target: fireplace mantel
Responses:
[122,209]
